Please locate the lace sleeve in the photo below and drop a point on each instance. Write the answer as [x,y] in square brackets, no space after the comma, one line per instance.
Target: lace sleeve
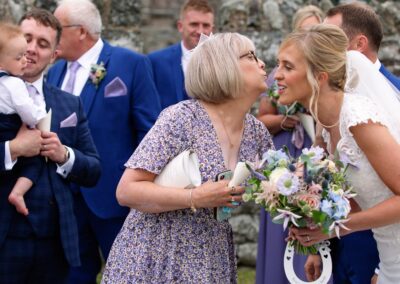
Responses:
[358,110]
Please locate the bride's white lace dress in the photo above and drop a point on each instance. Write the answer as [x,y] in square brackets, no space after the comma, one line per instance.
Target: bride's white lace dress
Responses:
[369,187]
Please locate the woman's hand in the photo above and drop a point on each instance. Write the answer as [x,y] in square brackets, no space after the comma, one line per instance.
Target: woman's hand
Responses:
[308,237]
[289,122]
[312,267]
[216,194]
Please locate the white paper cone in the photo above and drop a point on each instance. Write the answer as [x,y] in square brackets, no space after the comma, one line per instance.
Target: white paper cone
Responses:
[308,123]
[182,171]
[45,123]
[240,174]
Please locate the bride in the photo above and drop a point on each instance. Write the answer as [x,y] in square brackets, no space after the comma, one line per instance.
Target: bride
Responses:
[361,119]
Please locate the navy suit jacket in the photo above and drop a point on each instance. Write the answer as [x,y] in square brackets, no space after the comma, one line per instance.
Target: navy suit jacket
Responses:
[392,78]
[120,110]
[168,74]
[85,171]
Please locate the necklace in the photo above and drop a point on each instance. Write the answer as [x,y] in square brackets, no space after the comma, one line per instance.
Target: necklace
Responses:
[231,144]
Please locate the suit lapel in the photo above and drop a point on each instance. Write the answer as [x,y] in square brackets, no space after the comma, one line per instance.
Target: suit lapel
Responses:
[393,79]
[49,99]
[59,73]
[177,71]
[89,91]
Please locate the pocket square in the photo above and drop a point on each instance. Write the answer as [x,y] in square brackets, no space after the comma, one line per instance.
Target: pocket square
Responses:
[115,88]
[70,121]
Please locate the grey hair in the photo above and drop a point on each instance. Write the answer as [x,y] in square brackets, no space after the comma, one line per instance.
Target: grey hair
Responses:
[85,13]
[213,73]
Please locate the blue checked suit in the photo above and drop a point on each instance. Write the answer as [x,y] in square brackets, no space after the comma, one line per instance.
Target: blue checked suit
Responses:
[50,201]
[168,74]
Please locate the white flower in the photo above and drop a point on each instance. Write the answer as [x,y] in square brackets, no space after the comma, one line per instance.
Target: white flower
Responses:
[276,174]
[337,225]
[287,216]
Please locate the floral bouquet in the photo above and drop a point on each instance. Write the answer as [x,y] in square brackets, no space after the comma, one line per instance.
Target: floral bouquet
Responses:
[310,191]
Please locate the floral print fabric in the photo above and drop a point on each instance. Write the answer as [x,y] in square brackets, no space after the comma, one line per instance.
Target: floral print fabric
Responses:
[181,246]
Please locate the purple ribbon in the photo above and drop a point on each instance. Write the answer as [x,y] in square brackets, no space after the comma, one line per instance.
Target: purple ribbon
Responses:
[298,136]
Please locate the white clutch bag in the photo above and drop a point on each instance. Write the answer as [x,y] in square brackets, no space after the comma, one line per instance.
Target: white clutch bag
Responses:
[182,171]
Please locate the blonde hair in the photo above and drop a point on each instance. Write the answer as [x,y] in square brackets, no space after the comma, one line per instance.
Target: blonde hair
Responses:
[8,31]
[305,13]
[213,74]
[324,48]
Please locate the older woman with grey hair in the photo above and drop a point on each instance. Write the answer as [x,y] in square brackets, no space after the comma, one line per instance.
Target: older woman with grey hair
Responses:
[171,234]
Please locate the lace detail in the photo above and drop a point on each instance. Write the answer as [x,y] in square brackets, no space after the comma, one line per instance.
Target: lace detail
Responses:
[356,110]
[370,188]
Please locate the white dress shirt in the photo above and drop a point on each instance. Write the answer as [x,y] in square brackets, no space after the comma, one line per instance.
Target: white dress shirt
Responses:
[86,61]
[186,53]
[14,98]
[64,169]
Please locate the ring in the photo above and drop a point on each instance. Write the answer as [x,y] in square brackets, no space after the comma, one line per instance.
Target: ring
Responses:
[233,189]
[232,199]
[308,238]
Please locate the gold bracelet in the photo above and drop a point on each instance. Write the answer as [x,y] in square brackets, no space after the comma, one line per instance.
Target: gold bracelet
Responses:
[192,207]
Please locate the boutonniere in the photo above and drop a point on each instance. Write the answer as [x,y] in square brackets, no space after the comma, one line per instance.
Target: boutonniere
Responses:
[97,73]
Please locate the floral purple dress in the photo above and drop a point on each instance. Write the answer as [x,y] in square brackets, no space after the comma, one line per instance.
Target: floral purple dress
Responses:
[181,246]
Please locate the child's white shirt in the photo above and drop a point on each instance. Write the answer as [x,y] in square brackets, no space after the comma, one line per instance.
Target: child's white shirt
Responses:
[14,98]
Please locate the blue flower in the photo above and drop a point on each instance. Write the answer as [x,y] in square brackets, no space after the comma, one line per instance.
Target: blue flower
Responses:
[288,184]
[342,209]
[276,157]
[314,153]
[327,207]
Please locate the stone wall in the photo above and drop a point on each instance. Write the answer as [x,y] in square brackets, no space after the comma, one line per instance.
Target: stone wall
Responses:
[147,25]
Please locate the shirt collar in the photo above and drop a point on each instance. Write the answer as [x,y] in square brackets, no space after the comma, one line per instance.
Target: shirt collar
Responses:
[91,56]
[185,52]
[378,64]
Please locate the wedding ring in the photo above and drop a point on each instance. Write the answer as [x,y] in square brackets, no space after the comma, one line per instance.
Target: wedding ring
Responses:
[232,199]
[308,238]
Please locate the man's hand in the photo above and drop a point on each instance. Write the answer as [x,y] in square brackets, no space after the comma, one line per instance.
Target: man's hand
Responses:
[27,143]
[312,267]
[52,147]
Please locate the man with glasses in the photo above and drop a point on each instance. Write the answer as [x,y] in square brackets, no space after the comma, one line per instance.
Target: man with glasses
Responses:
[121,102]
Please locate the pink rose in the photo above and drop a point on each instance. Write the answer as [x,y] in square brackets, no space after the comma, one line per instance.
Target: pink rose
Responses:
[311,200]
[315,189]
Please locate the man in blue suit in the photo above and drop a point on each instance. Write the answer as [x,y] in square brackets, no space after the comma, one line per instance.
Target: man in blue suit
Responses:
[355,256]
[121,102]
[169,64]
[40,247]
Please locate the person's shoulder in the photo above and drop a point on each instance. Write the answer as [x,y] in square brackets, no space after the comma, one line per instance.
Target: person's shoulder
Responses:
[11,81]
[125,53]
[182,111]
[57,91]
[164,52]
[251,119]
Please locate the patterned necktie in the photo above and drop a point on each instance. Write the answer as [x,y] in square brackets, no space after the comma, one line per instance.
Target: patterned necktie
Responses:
[73,68]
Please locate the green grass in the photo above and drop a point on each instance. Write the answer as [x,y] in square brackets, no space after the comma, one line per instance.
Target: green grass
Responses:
[246,275]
